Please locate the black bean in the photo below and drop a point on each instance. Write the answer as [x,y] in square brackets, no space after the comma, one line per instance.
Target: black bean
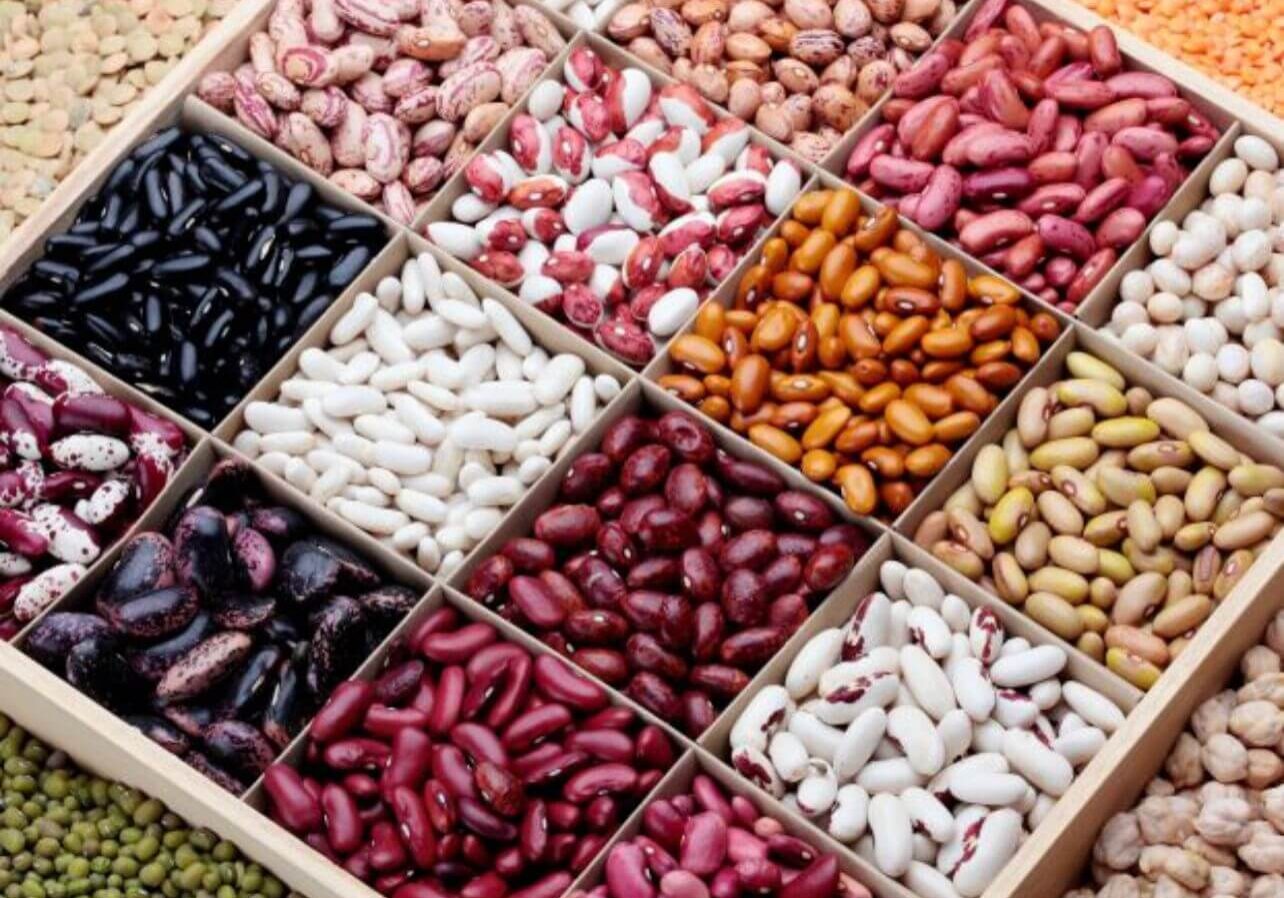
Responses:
[192,269]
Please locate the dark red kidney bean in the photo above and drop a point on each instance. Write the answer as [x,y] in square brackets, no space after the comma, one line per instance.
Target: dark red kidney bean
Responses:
[642,607]
[782,575]
[398,683]
[489,578]
[536,757]
[343,826]
[611,502]
[790,850]
[596,626]
[587,847]
[529,556]
[744,598]
[358,864]
[419,890]
[514,690]
[386,850]
[653,748]
[529,728]
[684,805]
[602,814]
[568,525]
[344,709]
[479,743]
[701,577]
[660,572]
[751,549]
[535,602]
[509,863]
[411,760]
[356,753]
[383,721]
[704,843]
[600,779]
[644,652]
[686,488]
[424,699]
[607,665]
[480,819]
[688,439]
[474,851]
[677,622]
[563,590]
[487,885]
[711,530]
[803,510]
[616,546]
[747,476]
[604,745]
[748,513]
[752,646]
[532,833]
[551,886]
[788,612]
[372,813]
[708,624]
[645,469]
[719,679]
[663,823]
[759,875]
[667,530]
[828,567]
[362,786]
[654,694]
[624,436]
[600,583]
[458,646]
[658,860]
[318,842]
[414,826]
[797,544]
[440,806]
[443,619]
[554,768]
[709,795]
[448,700]
[848,535]
[614,717]
[559,683]
[636,510]
[586,477]
[500,789]
[451,847]
[450,768]
[562,815]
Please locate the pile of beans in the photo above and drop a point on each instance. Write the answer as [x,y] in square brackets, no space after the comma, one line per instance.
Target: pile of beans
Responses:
[1030,146]
[701,843]
[855,352]
[192,269]
[72,71]
[670,568]
[619,217]
[469,767]
[1115,519]
[921,733]
[386,100]
[429,414]
[76,468]
[803,73]
[1212,821]
[64,831]
[1210,307]
[219,640]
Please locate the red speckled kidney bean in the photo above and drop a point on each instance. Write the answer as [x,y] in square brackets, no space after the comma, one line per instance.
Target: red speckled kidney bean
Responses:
[698,560]
[1036,131]
[482,772]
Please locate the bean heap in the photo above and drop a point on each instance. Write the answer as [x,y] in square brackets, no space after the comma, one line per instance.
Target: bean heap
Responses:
[670,568]
[804,72]
[1030,146]
[619,217]
[1212,820]
[855,352]
[702,843]
[469,767]
[921,722]
[428,416]
[1209,308]
[385,99]
[64,831]
[1115,519]
[192,269]
[72,71]
[76,467]
[219,643]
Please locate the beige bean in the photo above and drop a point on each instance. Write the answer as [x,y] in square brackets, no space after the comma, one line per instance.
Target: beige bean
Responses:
[1009,579]
[1137,597]
[1074,554]
[1103,398]
[1175,417]
[1077,452]
[1232,571]
[1122,486]
[1170,481]
[1079,489]
[1082,364]
[1093,618]
[1010,514]
[1244,530]
[990,474]
[1032,417]
[1183,617]
[1092,645]
[1213,449]
[1059,513]
[967,530]
[1115,566]
[1255,479]
[1072,422]
[1143,527]
[1031,548]
[1133,668]
[1160,453]
[959,557]
[1125,433]
[1070,586]
[1193,537]
[1102,593]
[1138,642]
[1171,514]
[1055,613]
[1106,529]
[1201,496]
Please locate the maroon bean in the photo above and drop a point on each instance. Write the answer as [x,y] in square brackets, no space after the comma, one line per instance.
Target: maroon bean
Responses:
[537,756]
[645,469]
[534,725]
[457,646]
[788,612]
[711,529]
[635,511]
[782,575]
[614,717]
[667,530]
[488,578]
[358,864]
[356,753]
[798,544]
[644,652]
[551,886]
[701,578]
[560,587]
[361,786]
[479,743]
[386,722]
[419,890]
[819,880]
[611,502]
[553,768]
[498,788]
[587,847]
[752,646]
[654,694]
[704,843]
[567,525]
[624,436]
[586,477]
[653,748]
[562,815]
[414,825]
[533,833]
[626,875]
[803,510]
[488,885]
[647,780]
[424,699]
[689,439]
[759,875]
[710,796]
[342,824]
[439,804]
[662,822]
[411,760]
[509,863]
[677,622]
[398,683]
[557,682]
[604,745]
[659,572]
[752,549]
[600,583]
[747,476]
[535,602]
[744,598]
[748,513]
[596,626]
[828,567]
[318,842]
[477,817]
[448,699]
[342,711]
[450,768]
[607,665]
[643,608]
[790,850]
[747,815]
[616,546]
[529,556]
[719,679]
[602,814]
[707,630]
[386,851]
[686,488]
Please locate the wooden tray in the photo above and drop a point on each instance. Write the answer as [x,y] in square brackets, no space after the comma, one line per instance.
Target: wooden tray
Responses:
[1051,860]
